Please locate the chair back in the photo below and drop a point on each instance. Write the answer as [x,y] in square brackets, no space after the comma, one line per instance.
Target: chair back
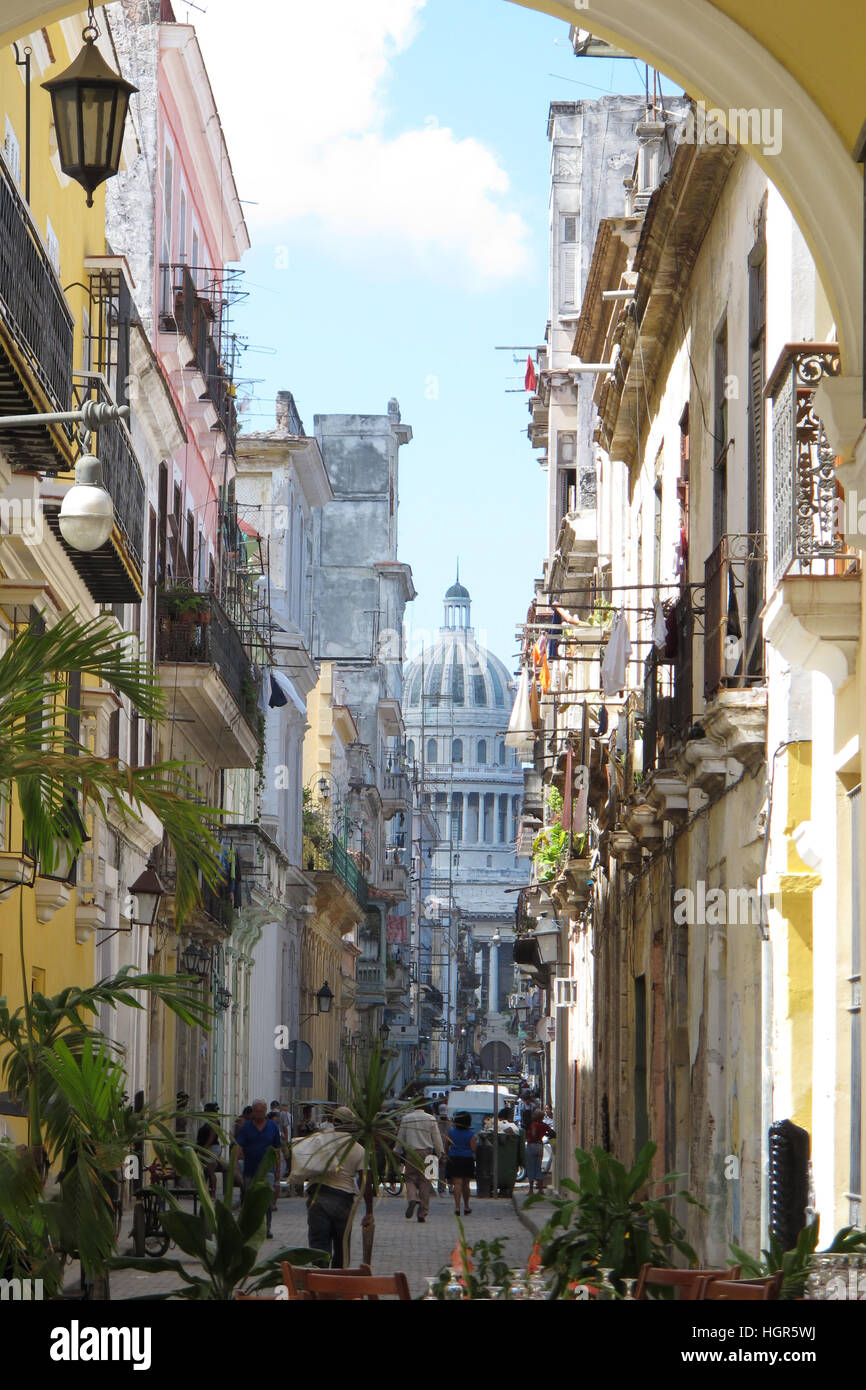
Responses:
[743,1290]
[688,1282]
[295,1278]
[337,1284]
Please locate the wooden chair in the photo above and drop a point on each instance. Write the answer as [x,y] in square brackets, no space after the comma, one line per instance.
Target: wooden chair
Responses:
[295,1278]
[742,1290]
[337,1285]
[687,1281]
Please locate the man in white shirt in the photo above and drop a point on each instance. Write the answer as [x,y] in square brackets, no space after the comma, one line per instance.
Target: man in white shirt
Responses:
[419,1139]
[331,1198]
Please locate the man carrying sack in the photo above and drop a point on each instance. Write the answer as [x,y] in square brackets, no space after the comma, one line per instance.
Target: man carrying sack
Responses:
[332,1165]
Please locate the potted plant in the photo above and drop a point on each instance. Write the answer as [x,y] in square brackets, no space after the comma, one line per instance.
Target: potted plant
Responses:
[797,1264]
[605,1228]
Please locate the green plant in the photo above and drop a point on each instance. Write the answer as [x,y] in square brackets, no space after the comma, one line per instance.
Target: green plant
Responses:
[796,1264]
[225,1243]
[602,613]
[606,1225]
[548,847]
[182,598]
[482,1268]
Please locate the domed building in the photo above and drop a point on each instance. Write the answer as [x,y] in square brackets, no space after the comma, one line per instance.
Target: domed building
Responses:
[457,699]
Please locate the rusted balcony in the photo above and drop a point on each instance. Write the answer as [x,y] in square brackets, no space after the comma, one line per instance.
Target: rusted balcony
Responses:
[36,340]
[208,678]
[668,689]
[334,859]
[186,310]
[733,637]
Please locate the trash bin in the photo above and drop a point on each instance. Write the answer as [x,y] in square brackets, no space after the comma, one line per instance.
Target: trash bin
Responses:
[509,1160]
[484,1165]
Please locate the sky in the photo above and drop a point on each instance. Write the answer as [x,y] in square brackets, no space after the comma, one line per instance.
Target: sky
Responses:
[393,161]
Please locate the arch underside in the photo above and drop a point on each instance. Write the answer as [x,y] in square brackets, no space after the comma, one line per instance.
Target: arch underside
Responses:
[734,55]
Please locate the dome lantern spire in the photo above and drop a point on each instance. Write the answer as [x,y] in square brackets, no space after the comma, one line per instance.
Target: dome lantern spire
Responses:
[457,605]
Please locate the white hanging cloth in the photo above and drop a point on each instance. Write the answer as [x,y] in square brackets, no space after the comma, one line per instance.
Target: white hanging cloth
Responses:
[616,654]
[520,732]
[660,627]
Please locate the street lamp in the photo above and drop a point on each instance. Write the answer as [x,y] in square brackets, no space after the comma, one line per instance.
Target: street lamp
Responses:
[196,960]
[87,512]
[547,939]
[148,891]
[324,999]
[89,102]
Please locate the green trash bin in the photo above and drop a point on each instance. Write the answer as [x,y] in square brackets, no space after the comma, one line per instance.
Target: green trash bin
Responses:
[484,1165]
[510,1158]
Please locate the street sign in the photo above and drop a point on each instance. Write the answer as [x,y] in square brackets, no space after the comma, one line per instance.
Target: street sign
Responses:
[296,1080]
[299,1055]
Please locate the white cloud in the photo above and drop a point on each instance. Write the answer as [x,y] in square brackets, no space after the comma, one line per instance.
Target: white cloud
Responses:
[302,95]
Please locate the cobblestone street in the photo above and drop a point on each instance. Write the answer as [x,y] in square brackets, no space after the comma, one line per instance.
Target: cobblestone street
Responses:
[413,1248]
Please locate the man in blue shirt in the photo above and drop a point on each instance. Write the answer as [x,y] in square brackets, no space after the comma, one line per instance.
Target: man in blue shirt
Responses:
[255,1139]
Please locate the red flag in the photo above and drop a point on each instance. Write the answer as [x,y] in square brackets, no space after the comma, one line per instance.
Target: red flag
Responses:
[530,381]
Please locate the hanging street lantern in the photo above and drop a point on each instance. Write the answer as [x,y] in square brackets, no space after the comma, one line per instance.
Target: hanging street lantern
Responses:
[87,512]
[89,102]
[148,891]
[324,998]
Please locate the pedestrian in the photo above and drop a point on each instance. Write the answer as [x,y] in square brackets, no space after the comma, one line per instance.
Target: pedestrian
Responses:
[506,1124]
[535,1133]
[419,1140]
[331,1196]
[444,1126]
[460,1168]
[307,1124]
[208,1139]
[255,1140]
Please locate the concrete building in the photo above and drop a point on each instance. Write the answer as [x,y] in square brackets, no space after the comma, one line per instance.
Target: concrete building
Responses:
[458,699]
[710,784]
[360,591]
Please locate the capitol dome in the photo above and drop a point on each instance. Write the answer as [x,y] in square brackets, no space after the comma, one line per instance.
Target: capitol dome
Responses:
[458,668]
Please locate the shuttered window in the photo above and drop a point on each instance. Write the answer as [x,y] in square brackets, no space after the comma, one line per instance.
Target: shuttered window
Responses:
[569,277]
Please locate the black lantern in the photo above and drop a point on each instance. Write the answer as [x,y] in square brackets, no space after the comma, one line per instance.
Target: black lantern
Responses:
[324,998]
[89,101]
[196,960]
[148,891]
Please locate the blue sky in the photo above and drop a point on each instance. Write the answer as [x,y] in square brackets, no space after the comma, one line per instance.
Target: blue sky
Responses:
[395,162]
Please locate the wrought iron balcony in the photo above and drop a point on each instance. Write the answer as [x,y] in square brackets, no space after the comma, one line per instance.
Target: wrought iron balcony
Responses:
[734,595]
[194,631]
[36,339]
[185,309]
[668,688]
[332,857]
[808,537]
[113,572]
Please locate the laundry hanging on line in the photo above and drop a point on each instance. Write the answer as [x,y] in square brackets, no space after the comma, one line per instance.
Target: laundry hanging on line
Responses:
[616,655]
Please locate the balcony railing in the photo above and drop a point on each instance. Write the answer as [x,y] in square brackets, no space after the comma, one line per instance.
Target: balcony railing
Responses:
[733,638]
[198,317]
[668,689]
[204,635]
[807,535]
[332,857]
[121,471]
[37,325]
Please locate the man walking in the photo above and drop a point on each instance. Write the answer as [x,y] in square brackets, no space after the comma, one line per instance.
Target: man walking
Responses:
[420,1140]
[255,1139]
[331,1197]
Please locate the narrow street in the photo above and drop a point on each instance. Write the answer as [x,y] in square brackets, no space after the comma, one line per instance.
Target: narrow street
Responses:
[415,1249]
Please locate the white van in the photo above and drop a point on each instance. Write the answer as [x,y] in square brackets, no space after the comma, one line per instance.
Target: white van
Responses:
[478,1104]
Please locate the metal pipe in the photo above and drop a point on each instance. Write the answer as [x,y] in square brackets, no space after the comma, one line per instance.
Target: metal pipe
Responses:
[617,294]
[92,414]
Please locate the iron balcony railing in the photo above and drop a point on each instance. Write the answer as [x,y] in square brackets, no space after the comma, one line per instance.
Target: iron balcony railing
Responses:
[733,636]
[195,628]
[198,317]
[36,325]
[121,471]
[668,688]
[808,534]
[332,857]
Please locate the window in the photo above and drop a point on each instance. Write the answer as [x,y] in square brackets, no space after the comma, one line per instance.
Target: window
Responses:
[657,529]
[482,750]
[479,690]
[720,434]
[641,1115]
[12,151]
[52,245]
[181,228]
[410,750]
[431,750]
[457,751]
[569,228]
[568,288]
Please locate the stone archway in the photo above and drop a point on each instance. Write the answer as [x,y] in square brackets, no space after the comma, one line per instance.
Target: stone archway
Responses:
[732,54]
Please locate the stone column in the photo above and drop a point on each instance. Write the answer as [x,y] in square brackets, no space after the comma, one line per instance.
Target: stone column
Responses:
[493,977]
